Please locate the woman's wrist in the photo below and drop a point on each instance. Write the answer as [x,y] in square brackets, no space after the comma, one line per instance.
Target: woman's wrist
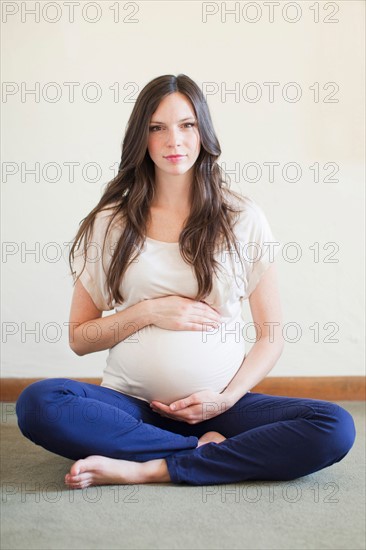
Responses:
[147,311]
[229,398]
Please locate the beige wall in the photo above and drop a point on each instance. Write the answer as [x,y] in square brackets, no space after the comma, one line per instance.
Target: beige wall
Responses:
[171,37]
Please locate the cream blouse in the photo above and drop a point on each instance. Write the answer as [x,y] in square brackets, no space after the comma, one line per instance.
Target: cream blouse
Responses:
[166,365]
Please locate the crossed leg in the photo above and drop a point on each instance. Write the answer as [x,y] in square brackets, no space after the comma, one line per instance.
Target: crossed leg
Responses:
[115,438]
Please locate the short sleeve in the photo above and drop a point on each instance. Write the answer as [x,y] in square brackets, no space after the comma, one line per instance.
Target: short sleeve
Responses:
[94,275]
[257,245]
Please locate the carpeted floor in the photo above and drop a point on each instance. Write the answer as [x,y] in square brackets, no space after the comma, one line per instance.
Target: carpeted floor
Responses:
[322,510]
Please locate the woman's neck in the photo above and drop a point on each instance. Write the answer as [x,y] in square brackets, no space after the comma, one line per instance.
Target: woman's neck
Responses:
[172,193]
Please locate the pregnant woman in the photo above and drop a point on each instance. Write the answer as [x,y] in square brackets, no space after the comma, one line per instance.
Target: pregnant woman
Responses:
[174,253]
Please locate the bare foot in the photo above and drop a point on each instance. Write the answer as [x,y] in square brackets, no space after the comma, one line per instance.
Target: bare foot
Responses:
[101,470]
[210,437]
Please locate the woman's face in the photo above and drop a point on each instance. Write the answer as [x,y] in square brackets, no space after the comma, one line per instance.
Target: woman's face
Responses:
[173,131]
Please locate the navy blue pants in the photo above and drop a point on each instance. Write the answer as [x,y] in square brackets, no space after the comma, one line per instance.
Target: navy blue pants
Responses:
[269,437]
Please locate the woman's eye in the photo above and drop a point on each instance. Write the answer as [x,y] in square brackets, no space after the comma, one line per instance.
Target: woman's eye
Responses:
[153,128]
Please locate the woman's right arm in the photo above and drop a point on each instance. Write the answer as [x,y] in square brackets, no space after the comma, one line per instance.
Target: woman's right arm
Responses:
[90,332]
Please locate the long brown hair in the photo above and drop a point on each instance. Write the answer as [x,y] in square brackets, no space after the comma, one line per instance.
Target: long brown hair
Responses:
[130,192]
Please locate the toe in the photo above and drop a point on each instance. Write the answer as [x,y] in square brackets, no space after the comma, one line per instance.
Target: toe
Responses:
[77,467]
[79,482]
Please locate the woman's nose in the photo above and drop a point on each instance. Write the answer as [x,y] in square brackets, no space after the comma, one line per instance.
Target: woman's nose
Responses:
[173,137]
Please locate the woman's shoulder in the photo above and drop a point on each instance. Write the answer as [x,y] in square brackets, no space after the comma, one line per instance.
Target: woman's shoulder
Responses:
[247,207]
[108,211]
[109,214]
[107,225]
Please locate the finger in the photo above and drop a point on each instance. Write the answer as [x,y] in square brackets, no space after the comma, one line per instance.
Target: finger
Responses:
[183,403]
[206,318]
[156,410]
[210,316]
[157,405]
[209,311]
[161,407]
[199,319]
[202,325]
[172,417]
[178,405]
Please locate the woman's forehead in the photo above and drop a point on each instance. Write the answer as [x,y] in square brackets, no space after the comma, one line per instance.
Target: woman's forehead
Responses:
[175,106]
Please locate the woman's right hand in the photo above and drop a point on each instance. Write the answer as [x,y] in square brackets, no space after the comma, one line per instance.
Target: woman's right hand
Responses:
[178,313]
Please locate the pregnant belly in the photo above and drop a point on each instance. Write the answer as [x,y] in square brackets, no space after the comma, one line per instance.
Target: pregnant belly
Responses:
[167,365]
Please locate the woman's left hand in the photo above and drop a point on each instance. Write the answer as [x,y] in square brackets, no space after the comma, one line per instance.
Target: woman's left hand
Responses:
[195,408]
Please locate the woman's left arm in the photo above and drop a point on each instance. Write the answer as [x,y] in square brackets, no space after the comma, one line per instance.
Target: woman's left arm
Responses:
[265,306]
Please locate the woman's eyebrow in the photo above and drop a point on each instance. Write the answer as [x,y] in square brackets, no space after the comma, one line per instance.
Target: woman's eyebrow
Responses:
[182,120]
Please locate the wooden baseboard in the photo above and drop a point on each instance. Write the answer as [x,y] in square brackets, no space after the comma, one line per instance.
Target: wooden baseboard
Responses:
[332,388]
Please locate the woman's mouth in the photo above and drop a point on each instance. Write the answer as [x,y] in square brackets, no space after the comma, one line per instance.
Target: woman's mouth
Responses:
[175,158]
